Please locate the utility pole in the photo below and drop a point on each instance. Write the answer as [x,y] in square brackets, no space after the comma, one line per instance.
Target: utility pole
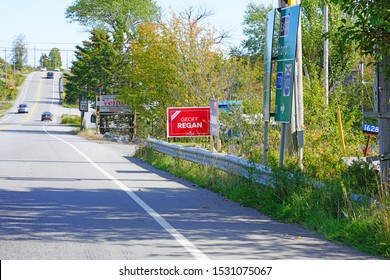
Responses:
[286,139]
[299,92]
[294,131]
[383,93]
[326,56]
[6,66]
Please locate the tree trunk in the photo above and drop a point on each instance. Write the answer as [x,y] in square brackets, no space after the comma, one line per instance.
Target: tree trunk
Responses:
[384,123]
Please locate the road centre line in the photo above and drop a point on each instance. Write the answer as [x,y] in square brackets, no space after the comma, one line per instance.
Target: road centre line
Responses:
[35,103]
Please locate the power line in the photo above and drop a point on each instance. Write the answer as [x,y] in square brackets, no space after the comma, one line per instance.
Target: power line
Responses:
[39,50]
[43,43]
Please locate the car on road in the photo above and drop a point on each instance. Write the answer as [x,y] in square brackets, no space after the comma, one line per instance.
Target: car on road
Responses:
[43,68]
[23,108]
[50,75]
[46,116]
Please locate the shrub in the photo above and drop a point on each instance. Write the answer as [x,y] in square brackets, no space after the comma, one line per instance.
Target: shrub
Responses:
[362,178]
[70,119]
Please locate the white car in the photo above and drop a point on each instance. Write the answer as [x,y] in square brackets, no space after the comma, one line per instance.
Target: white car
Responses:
[43,69]
[22,108]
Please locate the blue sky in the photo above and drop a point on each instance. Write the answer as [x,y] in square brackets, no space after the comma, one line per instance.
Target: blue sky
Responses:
[44,25]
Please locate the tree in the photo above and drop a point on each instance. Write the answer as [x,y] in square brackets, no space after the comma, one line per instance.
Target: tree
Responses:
[20,52]
[55,58]
[255,19]
[44,60]
[114,16]
[177,63]
[95,69]
[370,29]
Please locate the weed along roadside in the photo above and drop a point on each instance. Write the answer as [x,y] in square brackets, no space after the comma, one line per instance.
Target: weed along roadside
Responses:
[330,210]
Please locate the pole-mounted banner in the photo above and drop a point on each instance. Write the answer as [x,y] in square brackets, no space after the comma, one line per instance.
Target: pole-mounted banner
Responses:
[268,64]
[288,32]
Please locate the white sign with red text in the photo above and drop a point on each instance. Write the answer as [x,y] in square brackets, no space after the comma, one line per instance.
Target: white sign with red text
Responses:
[109,104]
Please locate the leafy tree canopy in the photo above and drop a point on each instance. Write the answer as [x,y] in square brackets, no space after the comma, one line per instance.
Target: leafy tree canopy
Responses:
[20,52]
[95,69]
[370,26]
[55,58]
[94,13]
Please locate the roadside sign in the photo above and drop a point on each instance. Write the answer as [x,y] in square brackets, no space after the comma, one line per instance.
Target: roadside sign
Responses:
[286,63]
[214,123]
[269,34]
[83,106]
[370,129]
[188,121]
[110,104]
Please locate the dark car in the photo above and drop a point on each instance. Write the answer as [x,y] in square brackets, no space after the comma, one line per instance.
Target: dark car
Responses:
[46,116]
[22,108]
[50,75]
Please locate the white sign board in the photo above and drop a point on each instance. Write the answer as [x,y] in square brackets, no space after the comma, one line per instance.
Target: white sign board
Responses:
[214,123]
[109,104]
[83,106]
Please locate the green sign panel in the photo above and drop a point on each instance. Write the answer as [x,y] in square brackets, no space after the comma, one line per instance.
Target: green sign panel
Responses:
[268,64]
[288,32]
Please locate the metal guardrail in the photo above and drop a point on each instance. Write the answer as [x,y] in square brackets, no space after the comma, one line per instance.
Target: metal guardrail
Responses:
[232,164]
[229,163]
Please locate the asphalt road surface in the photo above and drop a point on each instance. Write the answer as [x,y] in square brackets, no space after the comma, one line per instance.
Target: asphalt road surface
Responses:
[65,197]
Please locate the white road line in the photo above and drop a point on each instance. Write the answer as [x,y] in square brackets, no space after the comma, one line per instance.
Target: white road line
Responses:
[188,245]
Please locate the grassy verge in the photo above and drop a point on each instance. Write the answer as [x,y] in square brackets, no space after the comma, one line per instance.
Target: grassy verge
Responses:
[329,211]
[7,93]
[88,134]
[4,106]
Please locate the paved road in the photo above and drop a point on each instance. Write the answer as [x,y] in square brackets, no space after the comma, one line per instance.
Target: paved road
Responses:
[64,197]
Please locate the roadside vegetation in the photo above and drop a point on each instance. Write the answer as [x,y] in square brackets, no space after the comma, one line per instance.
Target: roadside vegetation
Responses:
[73,120]
[9,84]
[329,210]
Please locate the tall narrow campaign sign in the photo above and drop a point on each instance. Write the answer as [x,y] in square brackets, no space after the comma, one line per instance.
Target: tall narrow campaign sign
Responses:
[288,32]
[269,34]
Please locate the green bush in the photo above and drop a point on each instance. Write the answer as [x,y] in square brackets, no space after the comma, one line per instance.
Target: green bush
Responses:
[70,119]
[362,178]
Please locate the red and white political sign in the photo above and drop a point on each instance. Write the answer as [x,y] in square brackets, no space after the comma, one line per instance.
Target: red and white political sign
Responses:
[188,121]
